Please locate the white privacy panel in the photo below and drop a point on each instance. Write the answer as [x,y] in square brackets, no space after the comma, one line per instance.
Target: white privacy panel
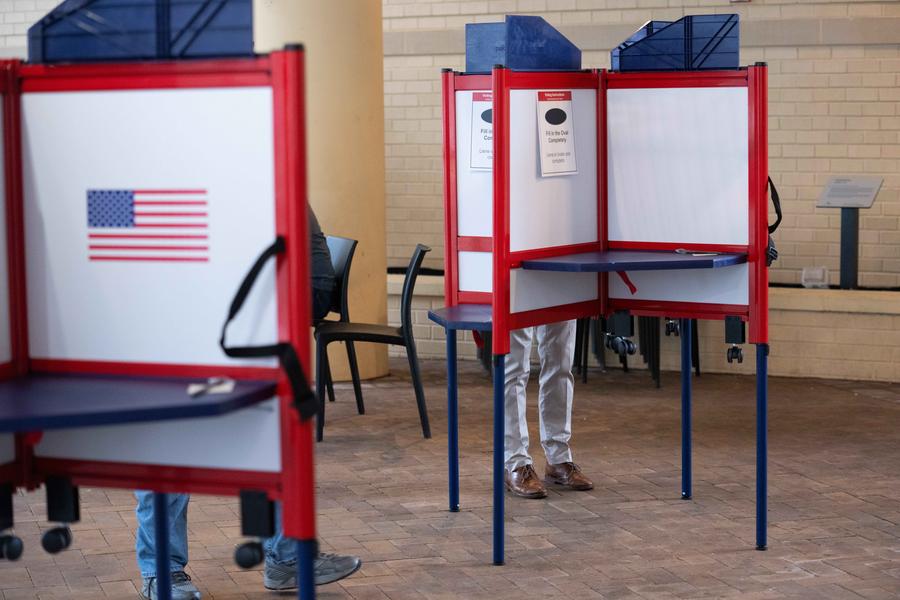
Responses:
[551,211]
[247,439]
[725,285]
[7,448]
[531,290]
[474,187]
[144,210]
[678,165]
[476,271]
[5,329]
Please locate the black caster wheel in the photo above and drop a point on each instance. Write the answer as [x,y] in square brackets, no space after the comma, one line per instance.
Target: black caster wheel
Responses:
[621,346]
[56,540]
[249,555]
[10,547]
[735,353]
[673,328]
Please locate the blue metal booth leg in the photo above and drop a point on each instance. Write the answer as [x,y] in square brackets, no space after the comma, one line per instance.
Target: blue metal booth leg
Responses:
[686,409]
[161,530]
[762,408]
[307,550]
[499,446]
[452,422]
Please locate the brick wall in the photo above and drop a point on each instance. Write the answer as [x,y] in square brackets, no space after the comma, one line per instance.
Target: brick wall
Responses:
[16,16]
[834,97]
[833,334]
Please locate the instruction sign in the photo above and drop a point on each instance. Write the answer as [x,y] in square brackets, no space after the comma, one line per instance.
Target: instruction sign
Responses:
[556,133]
[482,154]
[850,192]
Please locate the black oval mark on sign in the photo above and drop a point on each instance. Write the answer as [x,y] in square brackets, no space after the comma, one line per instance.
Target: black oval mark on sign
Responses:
[488,116]
[555,116]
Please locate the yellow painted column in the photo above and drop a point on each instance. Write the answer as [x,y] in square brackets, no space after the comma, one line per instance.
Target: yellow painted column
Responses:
[345,141]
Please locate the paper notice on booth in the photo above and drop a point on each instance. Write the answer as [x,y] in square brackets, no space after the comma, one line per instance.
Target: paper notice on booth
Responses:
[556,132]
[482,154]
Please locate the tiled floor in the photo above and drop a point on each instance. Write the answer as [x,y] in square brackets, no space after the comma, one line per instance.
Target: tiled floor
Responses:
[834,493]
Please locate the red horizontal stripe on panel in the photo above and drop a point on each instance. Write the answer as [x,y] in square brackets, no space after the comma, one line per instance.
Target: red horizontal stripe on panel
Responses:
[146,236]
[151,258]
[686,310]
[548,80]
[474,297]
[169,192]
[474,244]
[554,314]
[170,214]
[472,82]
[47,365]
[178,225]
[520,255]
[145,247]
[160,478]
[679,79]
[258,64]
[614,245]
[170,202]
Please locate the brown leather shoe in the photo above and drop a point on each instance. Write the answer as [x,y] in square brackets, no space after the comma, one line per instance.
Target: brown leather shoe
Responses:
[524,482]
[569,475]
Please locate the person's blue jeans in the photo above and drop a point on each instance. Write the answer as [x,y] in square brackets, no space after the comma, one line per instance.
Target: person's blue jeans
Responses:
[278,549]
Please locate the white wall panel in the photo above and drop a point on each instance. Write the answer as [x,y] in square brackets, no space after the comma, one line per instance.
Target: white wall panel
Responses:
[220,140]
[551,211]
[678,165]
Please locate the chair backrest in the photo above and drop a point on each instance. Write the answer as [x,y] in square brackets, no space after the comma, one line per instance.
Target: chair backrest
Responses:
[341,250]
[409,284]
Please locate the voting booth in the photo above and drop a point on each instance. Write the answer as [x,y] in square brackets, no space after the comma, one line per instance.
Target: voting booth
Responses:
[137,197]
[572,194]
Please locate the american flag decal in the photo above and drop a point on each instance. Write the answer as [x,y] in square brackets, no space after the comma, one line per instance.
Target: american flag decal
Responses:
[164,225]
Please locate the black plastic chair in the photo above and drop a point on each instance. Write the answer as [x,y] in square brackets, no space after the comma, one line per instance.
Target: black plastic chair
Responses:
[342,250]
[340,331]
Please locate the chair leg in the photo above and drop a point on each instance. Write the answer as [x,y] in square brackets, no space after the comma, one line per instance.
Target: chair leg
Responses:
[417,385]
[329,383]
[354,374]
[321,369]
[579,333]
[585,347]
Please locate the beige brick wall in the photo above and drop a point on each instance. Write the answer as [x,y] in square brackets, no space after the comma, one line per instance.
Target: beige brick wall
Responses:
[16,16]
[833,334]
[834,110]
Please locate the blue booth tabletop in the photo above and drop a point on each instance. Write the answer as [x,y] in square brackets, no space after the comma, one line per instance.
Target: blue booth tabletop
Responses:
[39,402]
[634,260]
[463,316]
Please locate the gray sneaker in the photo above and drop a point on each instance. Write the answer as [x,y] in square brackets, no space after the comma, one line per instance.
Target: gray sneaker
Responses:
[182,588]
[328,569]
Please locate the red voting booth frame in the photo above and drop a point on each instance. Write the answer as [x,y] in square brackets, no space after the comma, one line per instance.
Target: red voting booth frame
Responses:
[283,72]
[500,82]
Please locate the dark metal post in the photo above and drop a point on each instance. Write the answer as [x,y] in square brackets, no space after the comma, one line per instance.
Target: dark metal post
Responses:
[307,550]
[161,529]
[452,422]
[499,454]
[762,442]
[849,248]
[686,339]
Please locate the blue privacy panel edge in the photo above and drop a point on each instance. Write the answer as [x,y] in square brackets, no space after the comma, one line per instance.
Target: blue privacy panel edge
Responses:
[696,42]
[98,30]
[521,43]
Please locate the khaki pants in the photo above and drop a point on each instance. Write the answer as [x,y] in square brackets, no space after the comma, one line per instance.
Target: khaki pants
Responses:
[556,345]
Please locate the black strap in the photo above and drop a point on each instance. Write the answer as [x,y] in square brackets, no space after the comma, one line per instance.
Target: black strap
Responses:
[777,202]
[304,399]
